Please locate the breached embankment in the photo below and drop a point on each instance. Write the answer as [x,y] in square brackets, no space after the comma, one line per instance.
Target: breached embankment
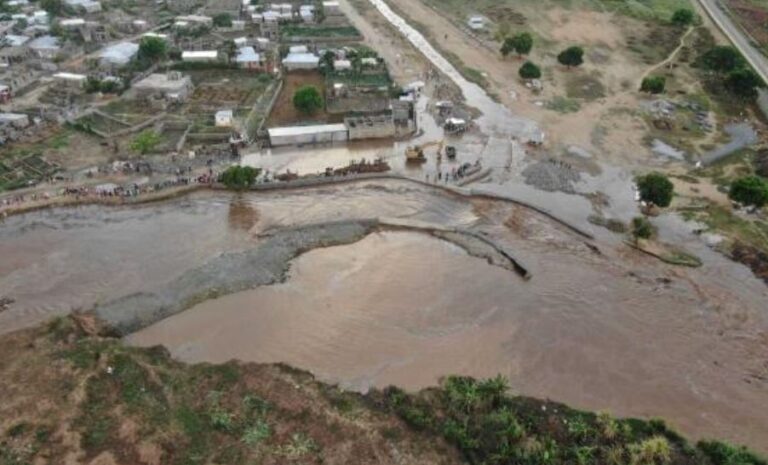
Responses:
[268,263]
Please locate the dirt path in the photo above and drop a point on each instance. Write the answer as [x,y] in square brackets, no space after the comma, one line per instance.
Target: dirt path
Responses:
[669,58]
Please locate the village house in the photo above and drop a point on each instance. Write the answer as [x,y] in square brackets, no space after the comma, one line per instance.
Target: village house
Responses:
[248,58]
[117,55]
[200,56]
[224,119]
[301,61]
[171,86]
[45,47]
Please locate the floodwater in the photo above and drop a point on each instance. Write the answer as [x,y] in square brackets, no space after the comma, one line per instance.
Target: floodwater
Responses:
[617,331]
[404,308]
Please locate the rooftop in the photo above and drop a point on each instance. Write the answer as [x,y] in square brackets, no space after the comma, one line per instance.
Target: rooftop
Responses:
[305,130]
[119,54]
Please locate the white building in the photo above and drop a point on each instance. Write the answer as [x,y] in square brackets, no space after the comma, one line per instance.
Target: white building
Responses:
[296,61]
[12,40]
[342,65]
[300,135]
[195,19]
[200,56]
[298,49]
[72,23]
[332,8]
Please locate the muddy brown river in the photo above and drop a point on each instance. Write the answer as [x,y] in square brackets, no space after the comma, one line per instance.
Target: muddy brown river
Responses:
[617,331]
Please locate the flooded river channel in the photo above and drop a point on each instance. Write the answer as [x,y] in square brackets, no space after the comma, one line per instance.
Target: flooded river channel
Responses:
[615,331]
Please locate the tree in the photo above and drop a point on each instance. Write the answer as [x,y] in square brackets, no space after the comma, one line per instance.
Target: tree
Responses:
[145,142]
[327,61]
[743,82]
[529,71]
[152,49]
[319,11]
[749,190]
[239,177]
[222,20]
[722,58]
[109,86]
[656,189]
[308,100]
[229,50]
[53,7]
[571,56]
[683,17]
[521,44]
[653,84]
[20,25]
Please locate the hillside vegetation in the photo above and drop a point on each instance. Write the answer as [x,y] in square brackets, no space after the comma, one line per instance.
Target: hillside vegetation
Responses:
[73,396]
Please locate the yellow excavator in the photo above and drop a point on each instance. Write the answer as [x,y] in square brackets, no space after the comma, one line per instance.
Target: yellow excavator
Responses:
[415,153]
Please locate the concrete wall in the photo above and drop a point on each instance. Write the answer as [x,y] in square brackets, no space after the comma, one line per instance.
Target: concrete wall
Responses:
[312,138]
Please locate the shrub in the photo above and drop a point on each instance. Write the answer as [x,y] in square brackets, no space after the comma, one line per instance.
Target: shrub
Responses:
[750,191]
[521,44]
[145,142]
[721,453]
[308,99]
[653,84]
[239,177]
[656,189]
[530,71]
[652,451]
[571,56]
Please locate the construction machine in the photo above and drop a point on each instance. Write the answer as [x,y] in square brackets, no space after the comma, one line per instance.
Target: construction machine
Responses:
[415,154]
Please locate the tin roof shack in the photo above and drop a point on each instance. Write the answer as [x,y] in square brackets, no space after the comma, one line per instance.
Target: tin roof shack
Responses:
[301,135]
[15,120]
[476,22]
[247,58]
[117,55]
[171,86]
[370,126]
[70,81]
[45,47]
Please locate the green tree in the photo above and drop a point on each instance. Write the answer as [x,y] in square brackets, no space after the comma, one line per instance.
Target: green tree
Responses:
[308,100]
[229,50]
[222,20]
[683,17]
[152,49]
[656,189]
[92,85]
[529,71]
[749,191]
[571,56]
[145,142]
[653,84]
[520,43]
[53,7]
[109,86]
[743,82]
[20,25]
[327,61]
[239,177]
[722,58]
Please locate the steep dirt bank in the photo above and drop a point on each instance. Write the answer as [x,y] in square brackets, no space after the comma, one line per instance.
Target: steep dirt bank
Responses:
[71,396]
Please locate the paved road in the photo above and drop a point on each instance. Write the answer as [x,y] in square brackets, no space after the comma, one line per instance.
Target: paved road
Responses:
[758,61]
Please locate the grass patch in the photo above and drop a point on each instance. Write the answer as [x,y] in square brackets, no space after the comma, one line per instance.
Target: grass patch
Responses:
[562,104]
[318,31]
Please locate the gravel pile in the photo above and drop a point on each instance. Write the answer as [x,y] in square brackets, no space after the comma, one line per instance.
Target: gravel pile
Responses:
[551,175]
